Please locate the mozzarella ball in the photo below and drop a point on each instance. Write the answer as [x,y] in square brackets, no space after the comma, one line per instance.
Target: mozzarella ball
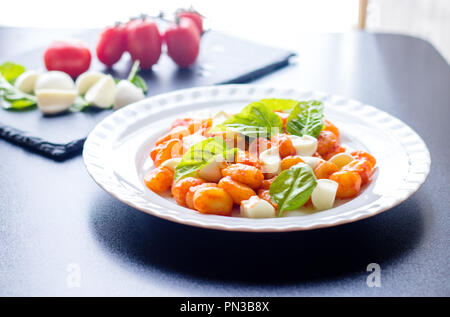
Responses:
[101,94]
[171,163]
[305,145]
[127,93]
[211,172]
[324,194]
[256,207]
[54,80]
[312,161]
[51,101]
[190,140]
[270,160]
[27,81]
[87,80]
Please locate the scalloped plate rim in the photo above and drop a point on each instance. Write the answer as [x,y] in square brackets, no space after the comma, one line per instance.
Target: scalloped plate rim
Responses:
[207,221]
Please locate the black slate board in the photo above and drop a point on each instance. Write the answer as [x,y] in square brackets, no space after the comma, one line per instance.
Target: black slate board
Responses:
[223,59]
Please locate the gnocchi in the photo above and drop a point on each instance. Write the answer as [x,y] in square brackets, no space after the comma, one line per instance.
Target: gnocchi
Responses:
[250,173]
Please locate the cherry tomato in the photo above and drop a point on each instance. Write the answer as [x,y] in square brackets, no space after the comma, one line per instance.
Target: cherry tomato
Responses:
[183,42]
[144,42]
[111,45]
[70,57]
[194,16]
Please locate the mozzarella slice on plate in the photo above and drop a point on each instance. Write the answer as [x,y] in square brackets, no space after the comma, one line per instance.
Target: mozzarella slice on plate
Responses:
[271,161]
[256,207]
[305,145]
[324,194]
[171,163]
[311,160]
[211,172]
[190,140]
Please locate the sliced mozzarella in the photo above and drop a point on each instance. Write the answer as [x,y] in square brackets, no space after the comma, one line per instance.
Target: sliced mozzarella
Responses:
[171,163]
[127,93]
[190,140]
[87,80]
[256,207]
[311,160]
[101,94]
[52,101]
[341,159]
[271,161]
[27,81]
[305,145]
[54,80]
[324,194]
[211,172]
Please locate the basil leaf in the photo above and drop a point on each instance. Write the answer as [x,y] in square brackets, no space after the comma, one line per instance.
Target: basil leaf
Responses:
[293,187]
[201,154]
[11,71]
[135,79]
[255,120]
[13,99]
[306,119]
[139,82]
[79,104]
[284,105]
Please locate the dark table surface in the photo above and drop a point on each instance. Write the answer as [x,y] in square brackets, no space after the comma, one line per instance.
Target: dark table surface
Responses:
[57,226]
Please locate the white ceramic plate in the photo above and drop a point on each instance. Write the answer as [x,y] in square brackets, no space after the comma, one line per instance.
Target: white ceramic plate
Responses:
[116,154]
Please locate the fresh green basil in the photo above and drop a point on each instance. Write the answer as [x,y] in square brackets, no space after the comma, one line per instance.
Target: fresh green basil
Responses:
[306,119]
[135,79]
[11,71]
[293,187]
[79,104]
[139,82]
[201,154]
[255,120]
[12,98]
[276,104]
